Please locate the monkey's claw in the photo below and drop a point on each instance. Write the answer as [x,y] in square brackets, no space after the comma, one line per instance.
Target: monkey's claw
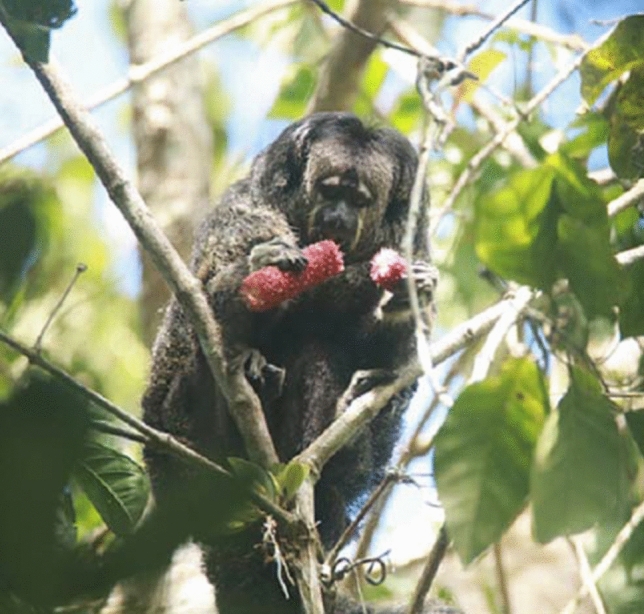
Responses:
[361,382]
[266,379]
[425,277]
[279,253]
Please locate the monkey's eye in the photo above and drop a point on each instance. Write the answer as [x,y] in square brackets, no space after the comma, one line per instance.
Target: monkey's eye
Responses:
[335,188]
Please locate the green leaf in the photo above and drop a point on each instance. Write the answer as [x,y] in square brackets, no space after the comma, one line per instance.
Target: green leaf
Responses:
[22,227]
[32,39]
[291,477]
[581,471]
[507,224]
[550,223]
[623,50]
[482,65]
[484,452]
[45,13]
[407,112]
[625,151]
[294,95]
[42,429]
[635,421]
[584,252]
[115,484]
[255,476]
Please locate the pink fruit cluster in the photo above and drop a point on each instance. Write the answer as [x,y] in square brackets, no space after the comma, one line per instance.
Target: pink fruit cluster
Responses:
[268,287]
[388,267]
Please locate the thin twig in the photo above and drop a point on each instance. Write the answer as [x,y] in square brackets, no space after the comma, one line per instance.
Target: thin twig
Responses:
[476,161]
[501,579]
[80,269]
[574,42]
[367,406]
[138,74]
[609,558]
[429,571]
[111,429]
[493,27]
[630,256]
[485,358]
[390,479]
[586,574]
[325,8]
[631,197]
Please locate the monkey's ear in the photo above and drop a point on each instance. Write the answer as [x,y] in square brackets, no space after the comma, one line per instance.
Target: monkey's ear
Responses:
[278,170]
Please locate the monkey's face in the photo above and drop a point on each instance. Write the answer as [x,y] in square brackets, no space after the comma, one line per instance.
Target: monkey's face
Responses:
[335,178]
[347,185]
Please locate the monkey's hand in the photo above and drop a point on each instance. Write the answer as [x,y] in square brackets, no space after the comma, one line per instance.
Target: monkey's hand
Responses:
[266,379]
[425,277]
[269,286]
[277,252]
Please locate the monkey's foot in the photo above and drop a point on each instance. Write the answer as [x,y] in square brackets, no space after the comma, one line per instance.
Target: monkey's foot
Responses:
[361,382]
[277,252]
[266,379]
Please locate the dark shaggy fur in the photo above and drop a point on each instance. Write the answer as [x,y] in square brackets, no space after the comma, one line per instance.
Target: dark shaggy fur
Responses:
[327,176]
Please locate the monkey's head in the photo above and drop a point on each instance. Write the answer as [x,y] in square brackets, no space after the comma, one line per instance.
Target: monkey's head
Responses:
[336,178]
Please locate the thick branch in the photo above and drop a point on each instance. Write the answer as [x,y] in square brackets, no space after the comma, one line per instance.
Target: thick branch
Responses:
[339,79]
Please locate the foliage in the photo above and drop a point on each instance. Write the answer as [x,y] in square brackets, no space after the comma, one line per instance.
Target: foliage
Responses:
[549,429]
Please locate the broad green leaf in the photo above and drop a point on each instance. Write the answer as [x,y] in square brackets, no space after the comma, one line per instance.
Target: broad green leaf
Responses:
[33,40]
[625,151]
[30,22]
[584,252]
[42,429]
[547,224]
[580,471]
[484,452]
[406,112]
[481,65]
[507,223]
[252,474]
[45,13]
[116,485]
[291,477]
[372,80]
[623,50]
[631,310]
[24,220]
[294,95]
[591,132]
[635,421]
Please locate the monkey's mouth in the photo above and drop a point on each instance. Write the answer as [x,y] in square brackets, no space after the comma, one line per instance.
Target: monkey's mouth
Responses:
[334,224]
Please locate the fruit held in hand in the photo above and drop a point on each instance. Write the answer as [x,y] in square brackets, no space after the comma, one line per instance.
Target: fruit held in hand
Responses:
[388,267]
[269,287]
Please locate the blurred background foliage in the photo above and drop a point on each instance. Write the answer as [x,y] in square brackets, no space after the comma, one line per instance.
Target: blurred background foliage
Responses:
[557,421]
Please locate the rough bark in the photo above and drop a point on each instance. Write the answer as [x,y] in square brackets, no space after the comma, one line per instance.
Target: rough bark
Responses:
[339,80]
[173,139]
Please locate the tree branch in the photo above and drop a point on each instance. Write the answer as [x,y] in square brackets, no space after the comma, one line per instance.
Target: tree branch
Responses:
[339,78]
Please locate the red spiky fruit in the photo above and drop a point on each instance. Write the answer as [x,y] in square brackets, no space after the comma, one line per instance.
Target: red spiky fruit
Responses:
[388,267]
[269,287]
